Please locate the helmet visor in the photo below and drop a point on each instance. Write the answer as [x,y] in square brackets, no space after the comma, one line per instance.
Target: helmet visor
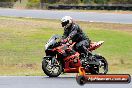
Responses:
[64,23]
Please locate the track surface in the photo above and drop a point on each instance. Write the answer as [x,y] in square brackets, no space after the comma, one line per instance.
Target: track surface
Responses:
[46,82]
[81,16]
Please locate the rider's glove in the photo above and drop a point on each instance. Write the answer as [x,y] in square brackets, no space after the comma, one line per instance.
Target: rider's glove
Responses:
[64,40]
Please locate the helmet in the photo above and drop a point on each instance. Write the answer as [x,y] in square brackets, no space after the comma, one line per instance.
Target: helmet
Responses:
[66,21]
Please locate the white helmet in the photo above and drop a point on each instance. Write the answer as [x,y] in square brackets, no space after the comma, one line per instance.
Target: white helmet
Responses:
[66,21]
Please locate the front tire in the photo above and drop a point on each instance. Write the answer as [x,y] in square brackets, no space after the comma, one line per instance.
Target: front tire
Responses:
[51,69]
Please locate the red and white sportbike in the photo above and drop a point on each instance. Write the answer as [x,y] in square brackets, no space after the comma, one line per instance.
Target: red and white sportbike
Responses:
[61,58]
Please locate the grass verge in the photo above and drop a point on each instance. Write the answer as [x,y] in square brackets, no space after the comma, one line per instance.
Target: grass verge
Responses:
[22,44]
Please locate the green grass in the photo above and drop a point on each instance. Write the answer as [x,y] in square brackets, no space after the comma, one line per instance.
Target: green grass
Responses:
[22,44]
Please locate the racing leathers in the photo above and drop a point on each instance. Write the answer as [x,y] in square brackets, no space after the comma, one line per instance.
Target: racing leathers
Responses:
[75,33]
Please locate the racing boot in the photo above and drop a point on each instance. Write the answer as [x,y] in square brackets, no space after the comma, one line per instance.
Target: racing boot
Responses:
[88,58]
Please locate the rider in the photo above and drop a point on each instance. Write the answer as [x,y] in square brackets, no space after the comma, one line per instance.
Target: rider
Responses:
[73,32]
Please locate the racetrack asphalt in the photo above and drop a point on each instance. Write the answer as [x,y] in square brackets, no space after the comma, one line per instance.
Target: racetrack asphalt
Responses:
[79,16]
[46,82]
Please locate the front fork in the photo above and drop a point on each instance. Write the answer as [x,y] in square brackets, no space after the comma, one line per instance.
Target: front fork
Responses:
[53,60]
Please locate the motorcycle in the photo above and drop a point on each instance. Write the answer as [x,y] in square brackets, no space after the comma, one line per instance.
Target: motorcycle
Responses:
[62,58]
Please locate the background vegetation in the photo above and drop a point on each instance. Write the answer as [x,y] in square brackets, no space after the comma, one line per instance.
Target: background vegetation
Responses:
[33,4]
[43,4]
[88,1]
[8,0]
[77,1]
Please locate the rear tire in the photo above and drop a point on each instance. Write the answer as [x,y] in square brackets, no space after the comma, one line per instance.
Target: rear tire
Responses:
[50,72]
[103,66]
[103,60]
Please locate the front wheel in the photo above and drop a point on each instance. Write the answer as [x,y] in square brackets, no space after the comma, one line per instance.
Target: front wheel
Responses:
[51,67]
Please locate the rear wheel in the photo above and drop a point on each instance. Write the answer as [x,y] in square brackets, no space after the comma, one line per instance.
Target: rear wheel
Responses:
[51,67]
[102,68]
